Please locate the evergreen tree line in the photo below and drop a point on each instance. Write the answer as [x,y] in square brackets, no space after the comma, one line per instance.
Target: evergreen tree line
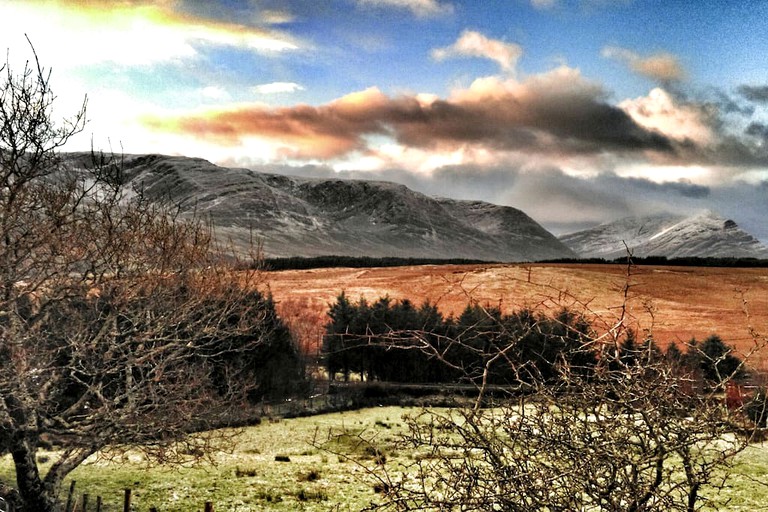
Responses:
[329,261]
[686,261]
[313,262]
[264,356]
[397,341]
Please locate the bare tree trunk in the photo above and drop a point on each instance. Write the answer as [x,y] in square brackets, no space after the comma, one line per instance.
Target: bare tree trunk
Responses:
[35,495]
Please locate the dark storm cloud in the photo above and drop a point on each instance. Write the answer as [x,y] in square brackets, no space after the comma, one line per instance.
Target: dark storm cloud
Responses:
[759,130]
[580,124]
[558,112]
[737,152]
[755,93]
[684,188]
[690,189]
[727,104]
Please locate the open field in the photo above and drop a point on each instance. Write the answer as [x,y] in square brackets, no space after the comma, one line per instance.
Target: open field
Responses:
[250,479]
[247,479]
[672,303]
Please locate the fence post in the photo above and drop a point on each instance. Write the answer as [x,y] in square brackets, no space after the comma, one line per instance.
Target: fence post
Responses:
[127,501]
[208,506]
[98,503]
[85,503]
[69,505]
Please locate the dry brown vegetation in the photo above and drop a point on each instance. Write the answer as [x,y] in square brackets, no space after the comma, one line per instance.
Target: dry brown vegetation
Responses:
[672,303]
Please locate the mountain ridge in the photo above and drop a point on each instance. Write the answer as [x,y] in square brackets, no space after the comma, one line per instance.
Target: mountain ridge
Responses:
[297,216]
[310,217]
[704,234]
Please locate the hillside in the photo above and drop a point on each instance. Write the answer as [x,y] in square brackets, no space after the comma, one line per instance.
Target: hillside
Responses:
[672,303]
[294,216]
[702,235]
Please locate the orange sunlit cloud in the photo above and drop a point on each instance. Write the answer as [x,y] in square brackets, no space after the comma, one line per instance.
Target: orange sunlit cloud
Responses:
[475,44]
[659,111]
[662,66]
[555,112]
[301,131]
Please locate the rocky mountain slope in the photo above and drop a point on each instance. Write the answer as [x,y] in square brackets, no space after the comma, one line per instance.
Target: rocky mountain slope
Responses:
[702,235]
[294,216]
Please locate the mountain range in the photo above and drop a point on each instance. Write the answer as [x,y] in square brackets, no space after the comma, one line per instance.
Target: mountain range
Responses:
[292,216]
[705,234]
[295,216]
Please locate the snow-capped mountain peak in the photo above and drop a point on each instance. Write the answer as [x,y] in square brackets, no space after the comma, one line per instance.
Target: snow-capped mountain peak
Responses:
[705,234]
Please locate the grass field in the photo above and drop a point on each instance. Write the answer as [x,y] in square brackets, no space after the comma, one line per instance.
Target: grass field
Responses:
[251,479]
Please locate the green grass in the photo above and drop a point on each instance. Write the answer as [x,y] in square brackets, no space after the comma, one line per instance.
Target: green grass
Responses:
[250,479]
[746,489]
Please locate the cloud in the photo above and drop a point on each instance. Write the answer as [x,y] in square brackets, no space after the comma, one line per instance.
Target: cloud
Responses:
[727,104]
[563,202]
[759,130]
[683,122]
[604,3]
[214,92]
[278,87]
[76,33]
[475,44]
[588,5]
[754,93]
[543,4]
[700,131]
[420,8]
[303,131]
[276,17]
[558,112]
[663,67]
[682,188]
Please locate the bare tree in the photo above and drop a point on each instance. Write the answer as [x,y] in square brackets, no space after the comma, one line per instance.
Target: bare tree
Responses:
[121,325]
[621,441]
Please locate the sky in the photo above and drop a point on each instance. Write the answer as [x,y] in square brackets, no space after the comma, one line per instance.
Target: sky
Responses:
[575,111]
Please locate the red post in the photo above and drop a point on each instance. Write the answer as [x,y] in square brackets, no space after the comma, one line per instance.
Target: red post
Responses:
[734,396]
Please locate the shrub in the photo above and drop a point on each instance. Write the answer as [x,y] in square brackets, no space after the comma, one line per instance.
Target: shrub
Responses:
[757,408]
[312,476]
[245,472]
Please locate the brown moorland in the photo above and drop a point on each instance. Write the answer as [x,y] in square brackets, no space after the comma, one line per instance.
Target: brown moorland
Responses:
[671,303]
